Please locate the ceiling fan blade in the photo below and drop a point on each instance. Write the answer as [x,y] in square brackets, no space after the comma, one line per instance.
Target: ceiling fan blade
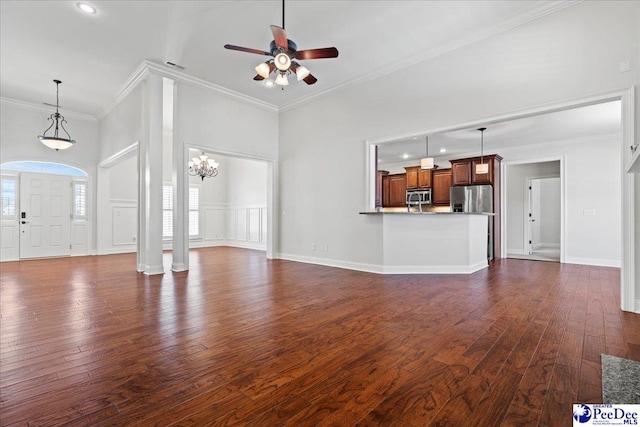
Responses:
[325,52]
[246,49]
[280,37]
[258,77]
[310,79]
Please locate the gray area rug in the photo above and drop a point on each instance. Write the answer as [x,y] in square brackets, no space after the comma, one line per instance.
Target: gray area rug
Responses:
[620,380]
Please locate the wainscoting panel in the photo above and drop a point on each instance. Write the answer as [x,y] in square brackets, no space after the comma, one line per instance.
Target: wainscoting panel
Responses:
[263,225]
[241,224]
[230,231]
[125,223]
[9,246]
[254,225]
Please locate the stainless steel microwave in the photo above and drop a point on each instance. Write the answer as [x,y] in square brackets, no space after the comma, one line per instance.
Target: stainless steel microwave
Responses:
[418,197]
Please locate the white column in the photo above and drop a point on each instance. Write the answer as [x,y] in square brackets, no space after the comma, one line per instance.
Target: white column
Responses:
[150,178]
[180,181]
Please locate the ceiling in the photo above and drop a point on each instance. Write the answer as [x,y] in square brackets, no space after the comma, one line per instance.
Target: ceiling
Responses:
[591,121]
[94,55]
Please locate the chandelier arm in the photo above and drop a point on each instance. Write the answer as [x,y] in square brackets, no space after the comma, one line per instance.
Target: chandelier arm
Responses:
[50,126]
[62,122]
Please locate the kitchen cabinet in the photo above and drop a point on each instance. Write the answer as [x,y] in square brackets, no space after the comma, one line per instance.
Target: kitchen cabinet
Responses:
[412,177]
[442,181]
[379,188]
[394,190]
[424,178]
[418,177]
[464,170]
[461,172]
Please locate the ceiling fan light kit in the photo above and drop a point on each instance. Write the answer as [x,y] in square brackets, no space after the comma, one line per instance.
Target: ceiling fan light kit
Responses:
[284,52]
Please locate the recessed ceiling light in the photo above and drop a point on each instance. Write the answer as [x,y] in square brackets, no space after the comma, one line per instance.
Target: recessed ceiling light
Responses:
[87,8]
[443,150]
[405,156]
[268,83]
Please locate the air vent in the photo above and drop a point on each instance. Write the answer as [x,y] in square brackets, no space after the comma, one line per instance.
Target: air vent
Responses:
[173,65]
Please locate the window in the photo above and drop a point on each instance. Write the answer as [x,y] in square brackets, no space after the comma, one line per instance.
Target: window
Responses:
[9,185]
[194,211]
[167,211]
[80,200]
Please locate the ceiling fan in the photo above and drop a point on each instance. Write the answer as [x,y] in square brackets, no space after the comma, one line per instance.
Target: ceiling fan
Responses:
[285,53]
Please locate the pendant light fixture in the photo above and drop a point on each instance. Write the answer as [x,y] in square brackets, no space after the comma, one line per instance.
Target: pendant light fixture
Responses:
[203,166]
[482,167]
[426,162]
[56,141]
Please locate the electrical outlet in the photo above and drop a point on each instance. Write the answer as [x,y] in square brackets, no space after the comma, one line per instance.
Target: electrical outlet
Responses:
[625,66]
[589,212]
[313,246]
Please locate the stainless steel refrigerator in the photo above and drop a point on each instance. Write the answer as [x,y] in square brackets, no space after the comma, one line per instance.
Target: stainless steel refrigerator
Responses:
[475,199]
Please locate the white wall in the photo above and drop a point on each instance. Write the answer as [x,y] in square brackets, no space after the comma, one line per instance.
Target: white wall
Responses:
[122,126]
[117,187]
[19,138]
[567,55]
[219,124]
[515,180]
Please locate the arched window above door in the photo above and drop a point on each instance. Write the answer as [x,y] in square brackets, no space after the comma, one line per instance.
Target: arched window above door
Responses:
[42,167]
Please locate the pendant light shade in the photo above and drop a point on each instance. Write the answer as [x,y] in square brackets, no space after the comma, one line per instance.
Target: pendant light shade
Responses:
[56,141]
[482,167]
[427,162]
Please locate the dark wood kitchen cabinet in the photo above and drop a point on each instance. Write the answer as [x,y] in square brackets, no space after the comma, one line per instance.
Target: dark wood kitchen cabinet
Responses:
[379,177]
[412,177]
[461,172]
[418,177]
[394,190]
[464,170]
[441,184]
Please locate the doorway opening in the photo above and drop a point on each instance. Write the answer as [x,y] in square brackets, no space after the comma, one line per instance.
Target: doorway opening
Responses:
[44,210]
[533,205]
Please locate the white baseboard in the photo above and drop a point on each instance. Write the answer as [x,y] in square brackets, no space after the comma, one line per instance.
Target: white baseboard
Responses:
[378,269]
[636,308]
[444,269]
[114,251]
[368,268]
[516,252]
[593,261]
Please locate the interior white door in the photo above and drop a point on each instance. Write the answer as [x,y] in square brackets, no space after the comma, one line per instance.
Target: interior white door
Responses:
[45,215]
[534,214]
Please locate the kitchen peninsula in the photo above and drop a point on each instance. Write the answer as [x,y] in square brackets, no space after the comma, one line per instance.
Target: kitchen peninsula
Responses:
[434,242]
[428,230]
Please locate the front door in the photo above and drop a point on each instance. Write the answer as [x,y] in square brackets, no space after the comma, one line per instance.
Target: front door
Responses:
[45,215]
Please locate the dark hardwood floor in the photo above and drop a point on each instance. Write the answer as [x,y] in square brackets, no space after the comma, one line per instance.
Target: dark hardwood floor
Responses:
[241,340]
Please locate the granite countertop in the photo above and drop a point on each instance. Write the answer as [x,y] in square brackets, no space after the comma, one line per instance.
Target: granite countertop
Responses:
[425,213]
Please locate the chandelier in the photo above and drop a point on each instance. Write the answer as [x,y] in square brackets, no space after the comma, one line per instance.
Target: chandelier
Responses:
[55,141]
[203,167]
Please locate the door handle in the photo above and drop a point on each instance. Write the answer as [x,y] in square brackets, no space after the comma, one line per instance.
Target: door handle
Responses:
[24,222]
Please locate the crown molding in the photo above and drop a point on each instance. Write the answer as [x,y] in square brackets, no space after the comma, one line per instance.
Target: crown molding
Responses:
[147,67]
[536,11]
[41,108]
